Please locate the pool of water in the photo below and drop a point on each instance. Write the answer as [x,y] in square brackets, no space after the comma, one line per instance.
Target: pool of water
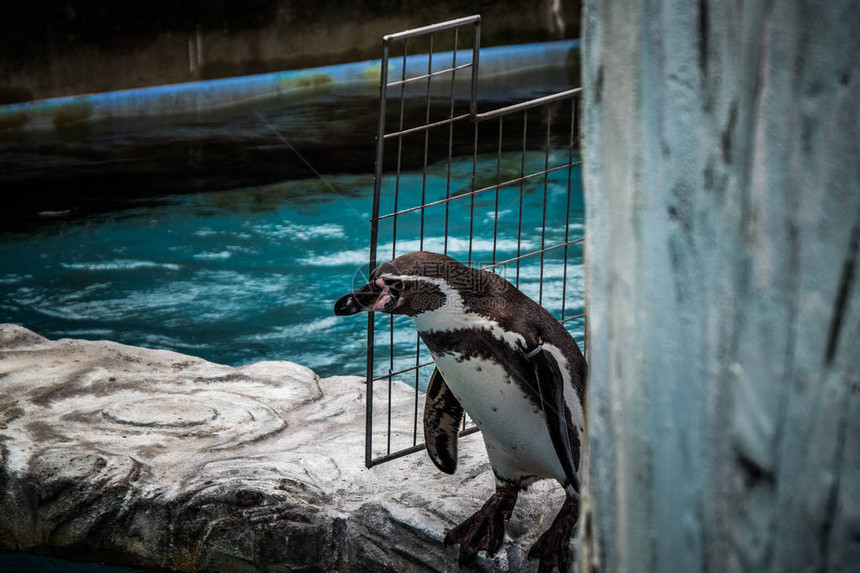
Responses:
[228,235]
[13,562]
[251,274]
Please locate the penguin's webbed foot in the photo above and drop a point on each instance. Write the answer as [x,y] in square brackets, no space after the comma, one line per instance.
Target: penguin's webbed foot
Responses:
[552,548]
[485,529]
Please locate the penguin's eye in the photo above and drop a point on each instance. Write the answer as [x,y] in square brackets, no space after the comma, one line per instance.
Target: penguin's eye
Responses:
[396,284]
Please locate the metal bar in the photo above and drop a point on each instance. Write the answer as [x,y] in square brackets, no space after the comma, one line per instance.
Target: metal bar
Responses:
[522,192]
[403,371]
[533,253]
[476,191]
[426,149]
[400,122]
[498,186]
[368,407]
[528,104]
[397,173]
[475,19]
[578,123]
[450,139]
[472,194]
[545,199]
[427,127]
[569,318]
[577,136]
[418,447]
[567,210]
[421,229]
[398,454]
[390,380]
[374,233]
[415,402]
[476,52]
[388,426]
[411,79]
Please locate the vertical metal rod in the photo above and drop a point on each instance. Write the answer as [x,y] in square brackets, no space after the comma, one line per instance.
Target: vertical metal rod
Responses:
[426,145]
[498,183]
[421,231]
[545,185]
[368,414]
[399,152]
[390,370]
[473,110]
[567,212]
[476,49]
[450,137]
[522,191]
[374,234]
[578,124]
[473,187]
[417,371]
[394,236]
[578,103]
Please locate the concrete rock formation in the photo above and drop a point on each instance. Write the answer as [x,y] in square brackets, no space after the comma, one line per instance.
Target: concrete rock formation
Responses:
[723,238]
[155,459]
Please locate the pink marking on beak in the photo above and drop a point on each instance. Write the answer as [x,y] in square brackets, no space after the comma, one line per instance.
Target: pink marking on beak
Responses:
[381,302]
[383,298]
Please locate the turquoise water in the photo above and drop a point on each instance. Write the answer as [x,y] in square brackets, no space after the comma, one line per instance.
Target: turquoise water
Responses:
[251,274]
[12,562]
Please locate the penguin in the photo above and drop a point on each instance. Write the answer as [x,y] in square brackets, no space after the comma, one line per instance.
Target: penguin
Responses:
[512,367]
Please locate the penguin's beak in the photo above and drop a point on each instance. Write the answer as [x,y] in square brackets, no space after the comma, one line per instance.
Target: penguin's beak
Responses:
[366,298]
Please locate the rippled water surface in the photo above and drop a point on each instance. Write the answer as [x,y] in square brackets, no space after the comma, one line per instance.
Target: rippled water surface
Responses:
[251,274]
[229,235]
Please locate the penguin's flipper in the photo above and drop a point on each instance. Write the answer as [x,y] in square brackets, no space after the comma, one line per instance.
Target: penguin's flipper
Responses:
[443,415]
[551,386]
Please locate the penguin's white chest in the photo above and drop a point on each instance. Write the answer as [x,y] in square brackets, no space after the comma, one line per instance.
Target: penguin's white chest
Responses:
[515,433]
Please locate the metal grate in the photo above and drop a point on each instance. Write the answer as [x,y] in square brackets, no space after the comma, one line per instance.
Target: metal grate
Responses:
[499,190]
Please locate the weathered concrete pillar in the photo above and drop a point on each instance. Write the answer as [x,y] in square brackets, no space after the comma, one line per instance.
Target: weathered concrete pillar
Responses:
[722,173]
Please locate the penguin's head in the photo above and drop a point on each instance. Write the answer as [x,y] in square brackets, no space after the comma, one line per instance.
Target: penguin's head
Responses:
[410,284]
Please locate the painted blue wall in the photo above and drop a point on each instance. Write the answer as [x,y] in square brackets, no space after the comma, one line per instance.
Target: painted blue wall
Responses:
[202,95]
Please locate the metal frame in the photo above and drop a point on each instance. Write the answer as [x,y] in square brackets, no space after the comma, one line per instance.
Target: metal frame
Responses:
[411,77]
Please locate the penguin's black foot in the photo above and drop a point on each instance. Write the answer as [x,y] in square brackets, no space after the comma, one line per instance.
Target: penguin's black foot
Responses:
[485,529]
[552,547]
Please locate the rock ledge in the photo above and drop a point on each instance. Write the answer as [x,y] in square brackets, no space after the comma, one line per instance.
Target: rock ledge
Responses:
[159,460]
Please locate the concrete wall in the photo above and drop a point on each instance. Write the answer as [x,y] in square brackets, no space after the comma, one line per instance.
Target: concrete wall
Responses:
[723,198]
[56,48]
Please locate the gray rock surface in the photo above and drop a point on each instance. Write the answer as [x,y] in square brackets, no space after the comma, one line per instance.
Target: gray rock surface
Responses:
[156,459]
